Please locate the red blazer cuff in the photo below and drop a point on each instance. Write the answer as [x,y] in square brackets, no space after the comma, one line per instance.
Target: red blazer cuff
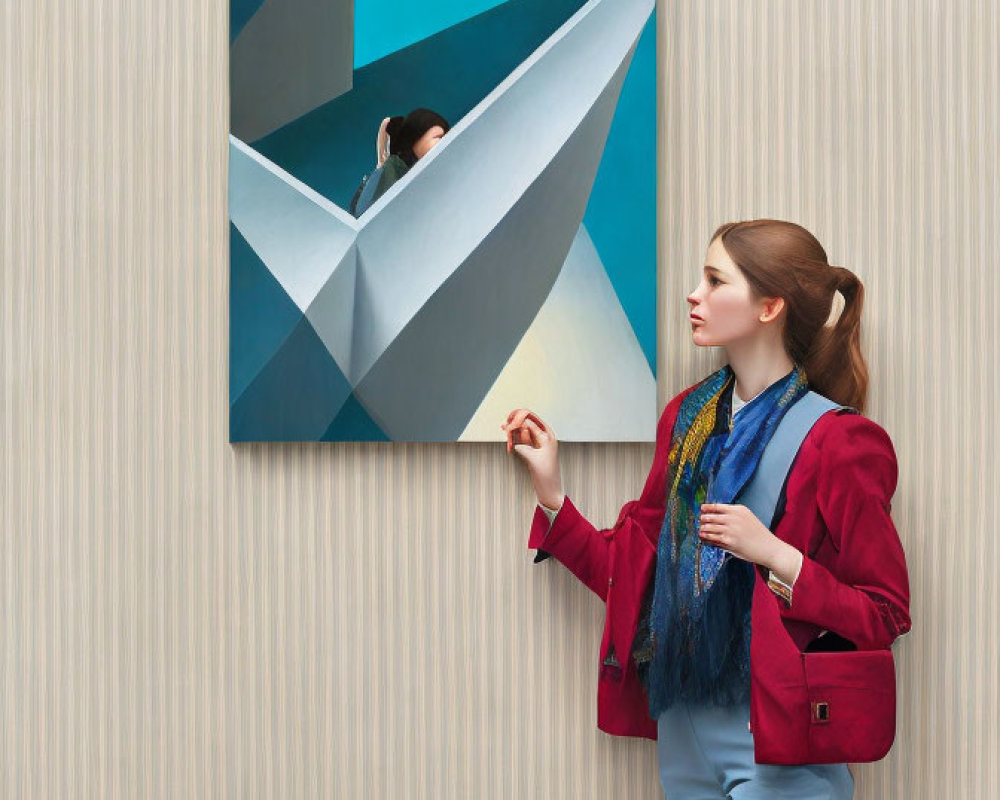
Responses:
[870,621]
[810,593]
[539,528]
[544,537]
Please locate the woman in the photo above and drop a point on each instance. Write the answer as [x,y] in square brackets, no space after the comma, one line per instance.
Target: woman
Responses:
[688,570]
[401,142]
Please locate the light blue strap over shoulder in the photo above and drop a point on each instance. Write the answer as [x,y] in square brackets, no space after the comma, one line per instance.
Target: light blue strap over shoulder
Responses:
[762,493]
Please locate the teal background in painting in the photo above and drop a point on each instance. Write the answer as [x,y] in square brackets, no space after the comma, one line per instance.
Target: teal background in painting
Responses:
[621,213]
[385,26]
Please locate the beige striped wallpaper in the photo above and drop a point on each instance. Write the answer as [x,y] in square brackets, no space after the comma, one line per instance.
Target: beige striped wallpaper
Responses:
[180,618]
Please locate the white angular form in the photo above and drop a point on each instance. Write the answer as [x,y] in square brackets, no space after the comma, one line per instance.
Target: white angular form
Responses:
[306,241]
[458,256]
[579,366]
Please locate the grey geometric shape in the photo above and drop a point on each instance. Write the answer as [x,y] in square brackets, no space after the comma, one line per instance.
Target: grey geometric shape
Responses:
[332,311]
[424,228]
[428,382]
[579,366]
[300,235]
[292,56]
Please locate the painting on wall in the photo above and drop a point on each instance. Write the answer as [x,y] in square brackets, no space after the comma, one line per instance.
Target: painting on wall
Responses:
[441,212]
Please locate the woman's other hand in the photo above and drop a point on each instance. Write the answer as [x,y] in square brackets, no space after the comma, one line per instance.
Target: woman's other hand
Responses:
[736,529]
[536,444]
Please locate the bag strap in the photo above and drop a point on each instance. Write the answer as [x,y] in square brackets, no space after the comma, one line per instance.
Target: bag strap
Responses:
[763,493]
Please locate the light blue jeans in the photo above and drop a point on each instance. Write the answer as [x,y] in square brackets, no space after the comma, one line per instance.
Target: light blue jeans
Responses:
[707,754]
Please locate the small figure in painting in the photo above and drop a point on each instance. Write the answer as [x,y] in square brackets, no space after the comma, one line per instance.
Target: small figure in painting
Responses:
[401,142]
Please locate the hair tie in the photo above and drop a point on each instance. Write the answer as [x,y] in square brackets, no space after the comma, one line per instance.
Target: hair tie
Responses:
[843,278]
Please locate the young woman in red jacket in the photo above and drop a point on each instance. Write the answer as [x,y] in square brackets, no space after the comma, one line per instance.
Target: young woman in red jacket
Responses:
[687,571]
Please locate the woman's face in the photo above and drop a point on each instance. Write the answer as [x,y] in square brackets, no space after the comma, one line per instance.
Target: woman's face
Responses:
[428,141]
[723,309]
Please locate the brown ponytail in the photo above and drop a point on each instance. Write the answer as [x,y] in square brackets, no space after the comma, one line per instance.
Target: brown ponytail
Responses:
[782,259]
[836,359]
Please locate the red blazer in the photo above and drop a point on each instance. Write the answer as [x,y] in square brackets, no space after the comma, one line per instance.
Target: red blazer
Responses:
[853,579]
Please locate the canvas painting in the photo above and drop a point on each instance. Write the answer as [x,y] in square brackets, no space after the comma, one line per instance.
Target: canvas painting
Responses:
[440,212]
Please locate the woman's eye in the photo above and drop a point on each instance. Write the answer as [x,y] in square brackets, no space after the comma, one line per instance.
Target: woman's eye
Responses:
[713,281]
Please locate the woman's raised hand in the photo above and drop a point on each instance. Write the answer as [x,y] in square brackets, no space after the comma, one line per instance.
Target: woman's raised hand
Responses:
[536,444]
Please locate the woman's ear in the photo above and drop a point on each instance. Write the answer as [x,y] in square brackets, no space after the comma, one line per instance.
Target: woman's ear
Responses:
[771,308]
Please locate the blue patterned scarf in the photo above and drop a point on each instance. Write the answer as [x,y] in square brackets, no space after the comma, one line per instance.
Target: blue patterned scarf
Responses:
[696,644]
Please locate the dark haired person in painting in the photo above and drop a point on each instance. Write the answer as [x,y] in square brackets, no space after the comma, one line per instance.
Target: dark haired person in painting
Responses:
[767,508]
[401,142]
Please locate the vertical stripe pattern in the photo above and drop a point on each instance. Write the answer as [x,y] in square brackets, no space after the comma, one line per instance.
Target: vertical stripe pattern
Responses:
[184,618]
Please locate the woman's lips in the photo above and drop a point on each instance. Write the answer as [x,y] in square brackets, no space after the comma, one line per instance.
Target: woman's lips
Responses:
[696,320]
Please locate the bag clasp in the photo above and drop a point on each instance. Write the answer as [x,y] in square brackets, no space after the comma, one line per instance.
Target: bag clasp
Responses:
[820,711]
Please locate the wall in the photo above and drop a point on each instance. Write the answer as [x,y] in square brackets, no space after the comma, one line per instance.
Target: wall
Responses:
[184,618]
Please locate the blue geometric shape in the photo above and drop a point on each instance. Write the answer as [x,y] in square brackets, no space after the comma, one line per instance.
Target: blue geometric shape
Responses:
[375,39]
[353,424]
[261,315]
[333,146]
[295,396]
[621,215]
[240,12]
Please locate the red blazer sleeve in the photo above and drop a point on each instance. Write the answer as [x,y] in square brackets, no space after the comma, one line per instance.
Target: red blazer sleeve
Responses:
[584,549]
[863,593]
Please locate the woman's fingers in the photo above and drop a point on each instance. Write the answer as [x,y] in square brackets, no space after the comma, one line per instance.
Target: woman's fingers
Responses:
[524,427]
[534,418]
[534,433]
[714,512]
[527,434]
[715,534]
[522,436]
[517,417]
[514,419]
[511,426]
